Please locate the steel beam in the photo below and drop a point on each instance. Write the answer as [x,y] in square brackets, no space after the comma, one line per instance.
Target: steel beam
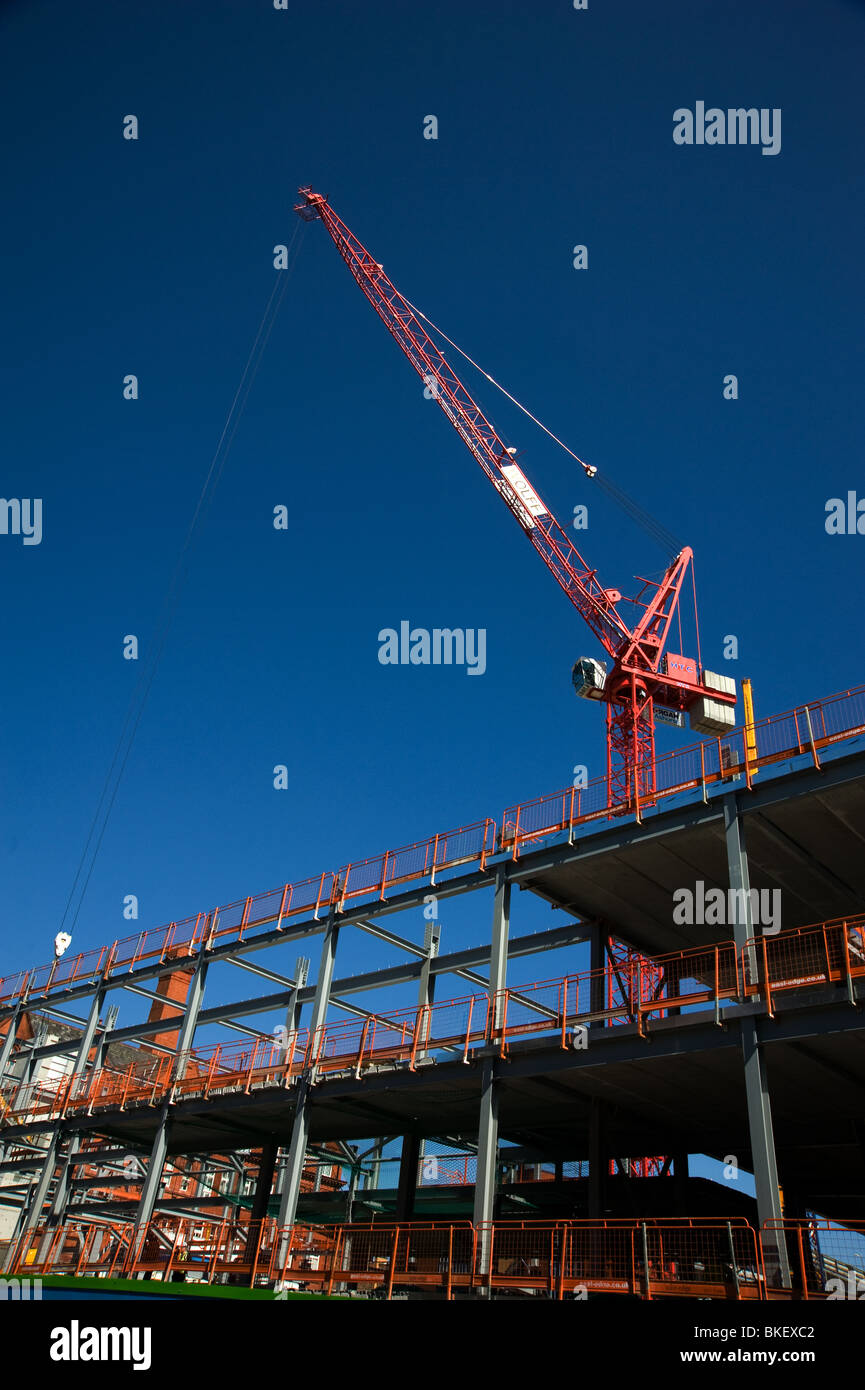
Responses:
[531,944]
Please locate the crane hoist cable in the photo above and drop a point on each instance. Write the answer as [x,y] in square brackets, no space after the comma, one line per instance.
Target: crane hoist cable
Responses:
[148,671]
[659,533]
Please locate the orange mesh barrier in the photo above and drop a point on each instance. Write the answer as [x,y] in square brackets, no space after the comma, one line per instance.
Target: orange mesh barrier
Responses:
[826,1259]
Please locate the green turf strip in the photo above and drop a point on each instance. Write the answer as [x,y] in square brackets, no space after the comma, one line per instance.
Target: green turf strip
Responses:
[156,1287]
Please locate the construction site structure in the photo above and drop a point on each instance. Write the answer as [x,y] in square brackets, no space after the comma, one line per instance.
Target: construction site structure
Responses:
[527,1088]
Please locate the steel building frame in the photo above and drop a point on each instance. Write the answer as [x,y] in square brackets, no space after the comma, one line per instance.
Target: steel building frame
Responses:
[724,805]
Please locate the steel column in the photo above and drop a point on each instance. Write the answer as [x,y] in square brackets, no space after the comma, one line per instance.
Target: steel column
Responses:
[9,1040]
[737,870]
[31,1214]
[293,1173]
[194,996]
[407,1185]
[757,1097]
[150,1190]
[763,1151]
[5,1053]
[426,987]
[598,1159]
[488,1120]
[264,1183]
[159,1149]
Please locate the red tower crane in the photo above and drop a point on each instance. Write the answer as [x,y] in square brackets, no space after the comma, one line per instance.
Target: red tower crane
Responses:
[642,675]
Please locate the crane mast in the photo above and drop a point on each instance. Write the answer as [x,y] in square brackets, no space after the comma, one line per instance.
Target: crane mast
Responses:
[642,675]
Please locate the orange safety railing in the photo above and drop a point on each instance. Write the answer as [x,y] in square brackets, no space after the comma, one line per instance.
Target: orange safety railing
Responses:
[802,957]
[825,1259]
[328,891]
[829,952]
[672,1257]
[807,729]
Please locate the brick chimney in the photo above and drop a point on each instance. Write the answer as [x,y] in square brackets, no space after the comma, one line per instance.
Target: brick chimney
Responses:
[173,988]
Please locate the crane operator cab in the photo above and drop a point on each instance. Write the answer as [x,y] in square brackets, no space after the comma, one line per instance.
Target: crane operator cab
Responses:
[589,677]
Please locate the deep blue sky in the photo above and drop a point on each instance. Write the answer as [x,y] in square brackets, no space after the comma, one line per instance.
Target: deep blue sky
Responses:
[155,257]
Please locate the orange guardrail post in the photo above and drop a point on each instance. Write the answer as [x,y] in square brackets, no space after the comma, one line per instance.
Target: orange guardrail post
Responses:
[489,825]
[418,1034]
[769,1008]
[640,1028]
[564,1242]
[802,1266]
[59,1236]
[286,894]
[363,1036]
[253,1057]
[334,1258]
[255,1249]
[289,1057]
[244,919]
[851,995]
[216,1249]
[810,729]
[172,1252]
[118,1251]
[208,1080]
[468,1029]
[392,1270]
[500,1025]
[563,1005]
[86,1245]
[383,883]
[126,1086]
